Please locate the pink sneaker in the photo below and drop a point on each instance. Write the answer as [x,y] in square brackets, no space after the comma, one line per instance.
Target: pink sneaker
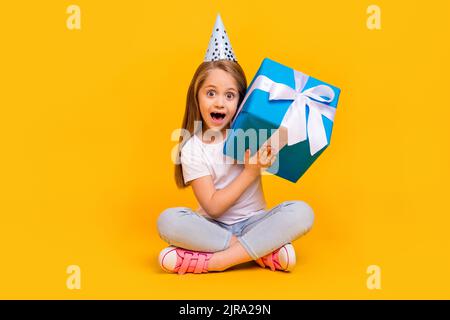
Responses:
[281,259]
[178,260]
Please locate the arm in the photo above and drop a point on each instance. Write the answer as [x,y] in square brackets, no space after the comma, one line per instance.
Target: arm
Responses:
[216,202]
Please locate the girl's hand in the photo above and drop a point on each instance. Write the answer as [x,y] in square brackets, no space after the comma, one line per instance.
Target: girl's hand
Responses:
[264,158]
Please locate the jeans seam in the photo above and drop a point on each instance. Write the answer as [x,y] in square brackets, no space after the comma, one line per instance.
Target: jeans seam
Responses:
[249,250]
[227,240]
[267,214]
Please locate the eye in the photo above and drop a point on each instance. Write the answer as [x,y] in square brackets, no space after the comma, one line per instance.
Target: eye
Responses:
[230,95]
[210,93]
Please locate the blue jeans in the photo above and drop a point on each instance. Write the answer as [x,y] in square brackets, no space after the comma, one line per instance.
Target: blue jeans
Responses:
[259,235]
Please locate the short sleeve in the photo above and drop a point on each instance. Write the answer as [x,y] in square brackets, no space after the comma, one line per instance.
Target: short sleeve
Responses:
[193,162]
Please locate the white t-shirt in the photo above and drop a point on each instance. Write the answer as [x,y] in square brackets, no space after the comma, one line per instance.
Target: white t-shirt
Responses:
[199,159]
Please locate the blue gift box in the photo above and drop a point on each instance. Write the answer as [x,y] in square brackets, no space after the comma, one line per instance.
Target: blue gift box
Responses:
[281,97]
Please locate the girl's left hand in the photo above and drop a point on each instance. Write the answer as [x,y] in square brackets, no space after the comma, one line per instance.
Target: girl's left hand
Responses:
[264,158]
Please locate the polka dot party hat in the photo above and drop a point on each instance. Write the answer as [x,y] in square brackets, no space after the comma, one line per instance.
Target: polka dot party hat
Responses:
[219,47]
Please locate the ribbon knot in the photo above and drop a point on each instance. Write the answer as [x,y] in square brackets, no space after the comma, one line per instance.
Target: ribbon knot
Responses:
[317,99]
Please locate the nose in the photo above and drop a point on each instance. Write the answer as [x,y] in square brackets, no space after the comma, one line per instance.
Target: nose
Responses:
[219,103]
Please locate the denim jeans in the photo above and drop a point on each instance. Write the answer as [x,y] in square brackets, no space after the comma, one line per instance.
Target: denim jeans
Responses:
[259,235]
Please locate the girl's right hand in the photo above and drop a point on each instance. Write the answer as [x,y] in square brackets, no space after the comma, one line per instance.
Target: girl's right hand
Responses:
[264,158]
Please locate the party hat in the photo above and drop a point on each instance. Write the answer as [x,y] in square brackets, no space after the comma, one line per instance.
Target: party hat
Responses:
[219,47]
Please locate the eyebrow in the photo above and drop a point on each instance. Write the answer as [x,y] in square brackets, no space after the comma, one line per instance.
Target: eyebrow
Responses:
[213,86]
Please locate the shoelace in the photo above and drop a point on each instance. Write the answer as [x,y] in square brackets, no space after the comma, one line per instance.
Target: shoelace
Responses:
[193,262]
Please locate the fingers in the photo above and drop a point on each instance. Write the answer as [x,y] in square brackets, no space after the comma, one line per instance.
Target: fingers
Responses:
[266,151]
[247,156]
[251,159]
[267,158]
[262,154]
[264,157]
[272,160]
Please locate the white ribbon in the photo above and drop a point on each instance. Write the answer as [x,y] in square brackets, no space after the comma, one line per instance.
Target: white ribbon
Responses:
[317,98]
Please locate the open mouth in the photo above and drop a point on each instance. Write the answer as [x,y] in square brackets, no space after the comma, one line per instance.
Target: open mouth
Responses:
[217,116]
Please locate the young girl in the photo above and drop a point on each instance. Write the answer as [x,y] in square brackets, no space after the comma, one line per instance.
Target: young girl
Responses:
[232,225]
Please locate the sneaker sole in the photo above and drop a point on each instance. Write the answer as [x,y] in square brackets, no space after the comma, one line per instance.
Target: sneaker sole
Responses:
[163,258]
[290,254]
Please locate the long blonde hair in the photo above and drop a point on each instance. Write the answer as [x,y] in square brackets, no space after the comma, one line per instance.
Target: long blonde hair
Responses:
[192,111]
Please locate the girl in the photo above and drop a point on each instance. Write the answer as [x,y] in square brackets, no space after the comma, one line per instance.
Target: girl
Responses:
[232,225]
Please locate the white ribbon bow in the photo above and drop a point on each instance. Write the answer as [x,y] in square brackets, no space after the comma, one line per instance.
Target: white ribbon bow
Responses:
[295,118]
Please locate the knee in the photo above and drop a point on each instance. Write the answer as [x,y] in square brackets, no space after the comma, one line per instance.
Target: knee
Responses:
[302,215]
[168,221]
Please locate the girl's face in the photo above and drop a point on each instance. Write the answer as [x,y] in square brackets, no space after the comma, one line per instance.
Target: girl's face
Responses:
[218,98]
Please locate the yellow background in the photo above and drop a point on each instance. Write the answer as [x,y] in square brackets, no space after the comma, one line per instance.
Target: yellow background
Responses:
[86,123]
